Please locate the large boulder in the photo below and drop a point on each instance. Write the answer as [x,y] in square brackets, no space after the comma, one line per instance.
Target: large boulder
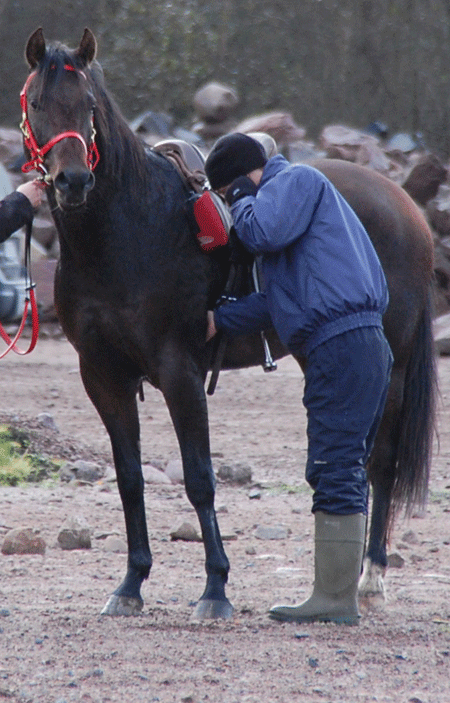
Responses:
[341,142]
[23,540]
[424,179]
[279,125]
[215,102]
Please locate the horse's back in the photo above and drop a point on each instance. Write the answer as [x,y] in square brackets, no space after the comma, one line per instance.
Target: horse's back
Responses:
[394,222]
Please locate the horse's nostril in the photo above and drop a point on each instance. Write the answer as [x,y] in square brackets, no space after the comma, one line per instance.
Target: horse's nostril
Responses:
[61,182]
[90,181]
[74,182]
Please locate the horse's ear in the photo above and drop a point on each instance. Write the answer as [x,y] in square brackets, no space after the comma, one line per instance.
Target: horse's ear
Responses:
[88,48]
[35,49]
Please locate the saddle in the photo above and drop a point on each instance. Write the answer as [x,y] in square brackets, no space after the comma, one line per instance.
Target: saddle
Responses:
[187,159]
[210,211]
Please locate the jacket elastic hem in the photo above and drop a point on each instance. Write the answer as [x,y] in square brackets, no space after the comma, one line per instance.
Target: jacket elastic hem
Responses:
[366,318]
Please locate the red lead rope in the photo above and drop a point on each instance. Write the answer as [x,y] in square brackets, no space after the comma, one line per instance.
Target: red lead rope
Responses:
[30,298]
[35,327]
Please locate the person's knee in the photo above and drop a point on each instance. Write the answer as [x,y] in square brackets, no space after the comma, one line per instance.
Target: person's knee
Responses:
[338,489]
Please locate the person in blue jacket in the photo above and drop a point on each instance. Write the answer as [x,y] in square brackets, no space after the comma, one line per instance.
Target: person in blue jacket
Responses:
[325,295]
[17,208]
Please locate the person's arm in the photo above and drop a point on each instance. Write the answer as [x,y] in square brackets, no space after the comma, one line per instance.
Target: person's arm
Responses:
[245,315]
[280,212]
[17,208]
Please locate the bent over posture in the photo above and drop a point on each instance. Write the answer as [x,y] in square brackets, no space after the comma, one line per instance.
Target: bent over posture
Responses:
[325,296]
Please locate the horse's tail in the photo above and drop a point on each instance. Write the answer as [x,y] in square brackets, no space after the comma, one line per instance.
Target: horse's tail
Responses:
[417,421]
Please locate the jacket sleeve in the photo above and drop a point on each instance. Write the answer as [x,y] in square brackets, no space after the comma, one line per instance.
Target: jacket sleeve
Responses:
[280,212]
[15,212]
[245,315]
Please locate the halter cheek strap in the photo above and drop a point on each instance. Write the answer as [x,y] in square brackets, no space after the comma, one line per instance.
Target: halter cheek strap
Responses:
[38,153]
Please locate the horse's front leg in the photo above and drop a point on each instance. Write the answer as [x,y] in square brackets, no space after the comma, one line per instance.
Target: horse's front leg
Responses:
[183,389]
[117,407]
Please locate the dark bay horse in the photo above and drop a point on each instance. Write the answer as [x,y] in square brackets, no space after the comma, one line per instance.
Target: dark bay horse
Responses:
[133,286]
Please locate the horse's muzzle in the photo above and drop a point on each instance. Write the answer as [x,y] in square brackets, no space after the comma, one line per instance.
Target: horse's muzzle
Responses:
[72,187]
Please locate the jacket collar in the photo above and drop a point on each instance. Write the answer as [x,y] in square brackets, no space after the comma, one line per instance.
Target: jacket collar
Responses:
[273,166]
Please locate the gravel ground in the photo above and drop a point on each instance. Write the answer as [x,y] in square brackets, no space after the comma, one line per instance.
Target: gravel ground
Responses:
[56,648]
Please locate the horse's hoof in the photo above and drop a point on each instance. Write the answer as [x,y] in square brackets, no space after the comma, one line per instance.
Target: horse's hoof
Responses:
[371,589]
[121,605]
[213,610]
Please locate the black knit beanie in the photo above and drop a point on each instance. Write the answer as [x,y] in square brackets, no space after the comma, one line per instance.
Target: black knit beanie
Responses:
[232,156]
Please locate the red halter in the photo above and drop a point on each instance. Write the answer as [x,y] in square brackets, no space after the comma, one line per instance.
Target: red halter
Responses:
[37,153]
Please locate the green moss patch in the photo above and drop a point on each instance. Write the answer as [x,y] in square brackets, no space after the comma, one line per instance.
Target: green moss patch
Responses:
[17,464]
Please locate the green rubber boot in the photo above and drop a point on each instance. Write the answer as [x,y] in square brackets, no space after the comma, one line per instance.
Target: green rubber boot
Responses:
[339,543]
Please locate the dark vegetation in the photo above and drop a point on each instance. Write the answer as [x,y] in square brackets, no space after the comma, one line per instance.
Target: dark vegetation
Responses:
[325,61]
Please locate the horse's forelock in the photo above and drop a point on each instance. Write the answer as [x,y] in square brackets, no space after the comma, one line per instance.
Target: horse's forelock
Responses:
[52,67]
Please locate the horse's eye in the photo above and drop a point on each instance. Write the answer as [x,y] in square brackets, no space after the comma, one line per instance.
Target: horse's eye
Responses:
[34,104]
[91,100]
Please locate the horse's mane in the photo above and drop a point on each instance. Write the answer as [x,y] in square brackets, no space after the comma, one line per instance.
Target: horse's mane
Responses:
[120,149]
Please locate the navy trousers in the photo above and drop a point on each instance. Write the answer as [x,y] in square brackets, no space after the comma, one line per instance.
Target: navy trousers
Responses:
[346,383]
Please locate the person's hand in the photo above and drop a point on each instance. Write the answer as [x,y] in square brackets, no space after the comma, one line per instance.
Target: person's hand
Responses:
[33,191]
[211,327]
[241,186]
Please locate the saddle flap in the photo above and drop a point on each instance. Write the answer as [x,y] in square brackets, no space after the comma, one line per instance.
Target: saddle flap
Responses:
[214,220]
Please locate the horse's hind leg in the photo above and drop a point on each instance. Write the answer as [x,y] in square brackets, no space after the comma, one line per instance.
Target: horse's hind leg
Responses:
[182,386]
[371,584]
[117,408]
[381,475]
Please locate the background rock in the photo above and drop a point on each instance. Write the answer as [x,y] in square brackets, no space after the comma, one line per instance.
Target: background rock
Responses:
[75,534]
[23,540]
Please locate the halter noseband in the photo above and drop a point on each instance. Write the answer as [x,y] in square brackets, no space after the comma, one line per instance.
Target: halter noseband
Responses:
[38,153]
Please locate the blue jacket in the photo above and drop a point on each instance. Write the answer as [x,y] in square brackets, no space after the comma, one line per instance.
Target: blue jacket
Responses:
[321,272]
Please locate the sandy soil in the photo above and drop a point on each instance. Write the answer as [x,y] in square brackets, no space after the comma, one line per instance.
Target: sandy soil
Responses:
[56,648]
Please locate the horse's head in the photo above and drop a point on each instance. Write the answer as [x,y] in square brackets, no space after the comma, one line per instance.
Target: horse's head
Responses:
[58,117]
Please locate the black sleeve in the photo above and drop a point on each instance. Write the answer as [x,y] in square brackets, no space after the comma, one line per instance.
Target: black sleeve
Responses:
[15,212]
[241,186]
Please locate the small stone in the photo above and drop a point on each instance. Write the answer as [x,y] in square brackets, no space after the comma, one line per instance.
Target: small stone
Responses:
[110,475]
[75,534]
[395,561]
[416,558]
[103,535]
[186,532]
[239,474]
[81,471]
[254,494]
[187,698]
[47,420]
[115,544]
[154,476]
[23,540]
[174,471]
[410,537]
[271,532]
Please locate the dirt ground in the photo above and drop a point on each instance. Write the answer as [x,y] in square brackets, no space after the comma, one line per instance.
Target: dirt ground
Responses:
[56,648]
